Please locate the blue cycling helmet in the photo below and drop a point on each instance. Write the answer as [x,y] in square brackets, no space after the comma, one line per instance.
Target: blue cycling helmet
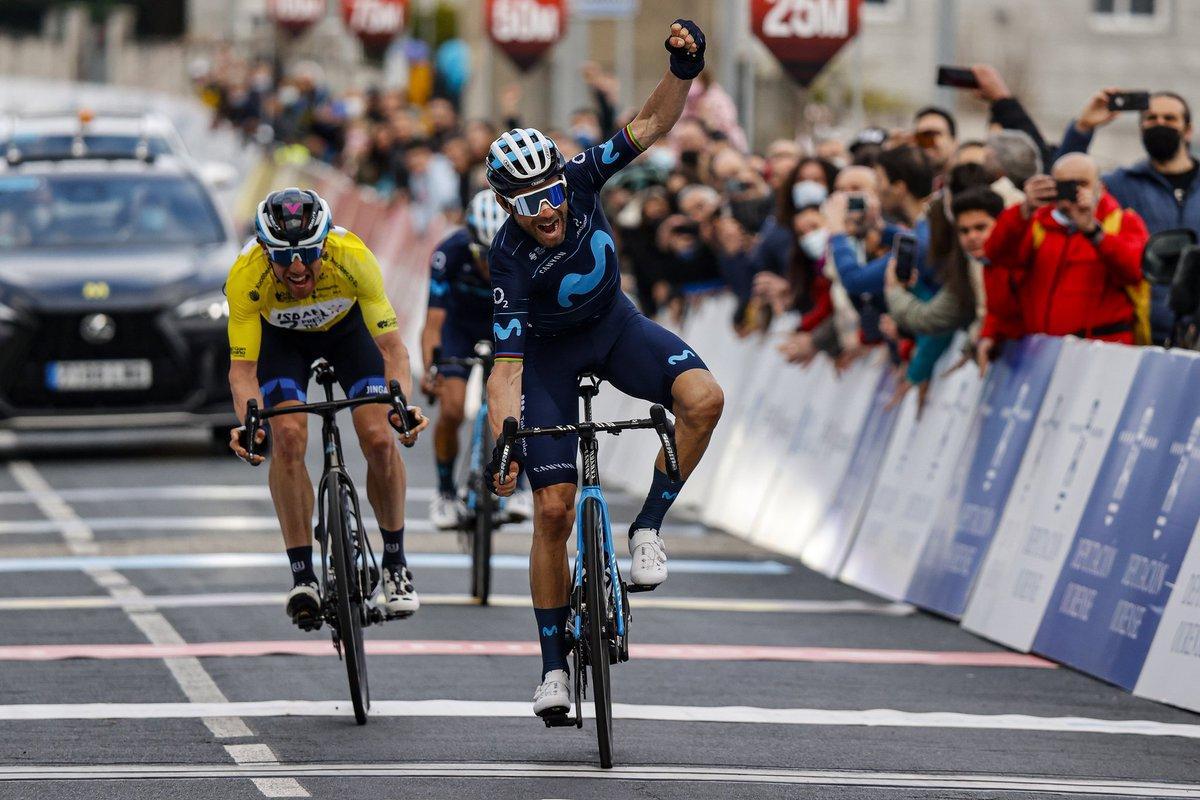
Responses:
[521,158]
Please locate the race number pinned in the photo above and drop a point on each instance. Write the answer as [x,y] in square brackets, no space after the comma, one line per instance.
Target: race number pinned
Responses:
[526,29]
[804,35]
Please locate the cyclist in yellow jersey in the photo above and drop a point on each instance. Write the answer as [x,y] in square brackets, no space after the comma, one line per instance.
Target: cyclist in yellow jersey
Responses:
[303,289]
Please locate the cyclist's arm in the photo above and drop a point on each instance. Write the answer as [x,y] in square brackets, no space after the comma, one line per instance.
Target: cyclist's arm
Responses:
[396,365]
[504,393]
[431,335]
[243,382]
[245,335]
[660,112]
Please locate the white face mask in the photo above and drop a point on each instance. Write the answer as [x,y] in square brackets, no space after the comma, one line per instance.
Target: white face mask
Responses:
[813,243]
[808,193]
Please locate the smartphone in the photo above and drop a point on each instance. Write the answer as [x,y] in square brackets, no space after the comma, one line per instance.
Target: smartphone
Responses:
[1066,190]
[1129,101]
[856,204]
[904,249]
[957,77]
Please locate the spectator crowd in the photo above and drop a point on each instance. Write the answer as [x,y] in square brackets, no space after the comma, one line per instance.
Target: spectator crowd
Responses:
[1008,233]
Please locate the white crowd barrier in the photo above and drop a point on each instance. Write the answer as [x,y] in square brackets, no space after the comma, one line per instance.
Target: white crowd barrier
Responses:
[1053,505]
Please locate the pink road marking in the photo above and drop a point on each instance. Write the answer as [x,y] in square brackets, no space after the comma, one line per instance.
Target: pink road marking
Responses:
[390,647]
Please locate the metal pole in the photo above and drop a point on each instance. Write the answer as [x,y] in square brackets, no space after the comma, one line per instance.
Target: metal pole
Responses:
[566,84]
[947,46]
[625,65]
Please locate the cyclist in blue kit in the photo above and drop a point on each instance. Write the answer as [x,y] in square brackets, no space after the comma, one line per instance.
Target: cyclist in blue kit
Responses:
[558,312]
[459,315]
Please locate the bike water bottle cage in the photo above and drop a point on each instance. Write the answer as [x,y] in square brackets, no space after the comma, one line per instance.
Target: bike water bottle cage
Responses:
[529,204]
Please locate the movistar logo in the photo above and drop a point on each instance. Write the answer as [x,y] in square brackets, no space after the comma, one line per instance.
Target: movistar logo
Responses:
[669,495]
[607,155]
[684,356]
[548,632]
[582,283]
[513,326]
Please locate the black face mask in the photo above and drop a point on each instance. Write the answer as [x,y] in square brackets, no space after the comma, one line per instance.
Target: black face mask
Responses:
[1161,142]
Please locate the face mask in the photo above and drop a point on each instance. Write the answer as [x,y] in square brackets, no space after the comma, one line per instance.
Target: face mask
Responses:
[662,158]
[1062,219]
[808,193]
[813,243]
[1161,142]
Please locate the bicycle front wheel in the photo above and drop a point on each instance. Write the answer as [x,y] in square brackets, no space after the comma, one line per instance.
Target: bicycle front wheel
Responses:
[596,598]
[348,597]
[481,547]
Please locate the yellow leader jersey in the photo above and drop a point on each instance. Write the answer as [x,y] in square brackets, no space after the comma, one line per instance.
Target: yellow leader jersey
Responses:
[349,274]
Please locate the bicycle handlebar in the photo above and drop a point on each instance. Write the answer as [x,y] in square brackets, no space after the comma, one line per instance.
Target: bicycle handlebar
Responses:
[255,417]
[658,422]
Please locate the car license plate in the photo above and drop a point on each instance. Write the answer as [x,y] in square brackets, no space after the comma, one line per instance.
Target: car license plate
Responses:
[109,375]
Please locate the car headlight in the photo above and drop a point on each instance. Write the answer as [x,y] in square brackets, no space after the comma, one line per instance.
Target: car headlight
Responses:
[212,306]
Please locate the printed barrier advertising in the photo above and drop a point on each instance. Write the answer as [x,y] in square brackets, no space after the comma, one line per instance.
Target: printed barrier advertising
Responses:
[1135,530]
[1063,455]
[1012,396]
[1169,674]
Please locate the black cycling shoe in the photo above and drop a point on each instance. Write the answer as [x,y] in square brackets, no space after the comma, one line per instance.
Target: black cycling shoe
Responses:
[304,606]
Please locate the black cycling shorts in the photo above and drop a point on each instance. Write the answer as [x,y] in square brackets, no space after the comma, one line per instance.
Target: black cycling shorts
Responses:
[286,356]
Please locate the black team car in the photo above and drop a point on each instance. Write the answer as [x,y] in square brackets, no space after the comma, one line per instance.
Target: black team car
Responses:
[112,312]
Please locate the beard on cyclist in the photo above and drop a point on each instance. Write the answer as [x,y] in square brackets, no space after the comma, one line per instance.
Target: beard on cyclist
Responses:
[548,226]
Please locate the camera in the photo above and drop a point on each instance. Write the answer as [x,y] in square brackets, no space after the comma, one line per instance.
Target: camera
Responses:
[856,204]
[1129,101]
[1066,190]
[904,249]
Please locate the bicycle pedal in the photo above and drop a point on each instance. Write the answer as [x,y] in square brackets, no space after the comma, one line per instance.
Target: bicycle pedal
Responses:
[308,623]
[635,588]
[557,720]
[389,616]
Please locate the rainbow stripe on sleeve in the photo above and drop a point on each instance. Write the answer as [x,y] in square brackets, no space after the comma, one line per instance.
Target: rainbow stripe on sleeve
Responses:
[632,139]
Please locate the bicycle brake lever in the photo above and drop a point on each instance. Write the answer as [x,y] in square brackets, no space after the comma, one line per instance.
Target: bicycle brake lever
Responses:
[666,435]
[408,420]
[248,436]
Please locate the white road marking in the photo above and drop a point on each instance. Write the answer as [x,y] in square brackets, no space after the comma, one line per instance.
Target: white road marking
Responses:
[261,755]
[197,685]
[238,599]
[216,493]
[744,715]
[961,782]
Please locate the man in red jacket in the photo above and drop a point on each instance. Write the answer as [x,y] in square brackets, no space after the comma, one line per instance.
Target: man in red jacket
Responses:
[1075,264]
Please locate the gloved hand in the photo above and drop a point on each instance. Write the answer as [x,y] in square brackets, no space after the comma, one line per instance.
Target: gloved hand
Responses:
[687,55]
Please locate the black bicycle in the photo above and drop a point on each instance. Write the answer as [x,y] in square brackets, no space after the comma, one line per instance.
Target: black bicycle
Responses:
[483,508]
[347,594]
[599,620]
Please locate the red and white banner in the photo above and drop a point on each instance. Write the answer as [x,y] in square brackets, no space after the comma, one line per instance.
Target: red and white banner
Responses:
[375,22]
[804,34]
[296,16]
[526,29]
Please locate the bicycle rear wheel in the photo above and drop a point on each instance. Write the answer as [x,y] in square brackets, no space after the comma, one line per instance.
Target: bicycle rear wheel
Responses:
[596,598]
[481,547]
[349,601]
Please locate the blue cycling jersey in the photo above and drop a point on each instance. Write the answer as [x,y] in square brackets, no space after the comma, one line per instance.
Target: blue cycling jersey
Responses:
[457,283]
[543,292]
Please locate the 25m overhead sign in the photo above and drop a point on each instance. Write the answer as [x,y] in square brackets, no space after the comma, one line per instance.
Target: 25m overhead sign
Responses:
[804,35]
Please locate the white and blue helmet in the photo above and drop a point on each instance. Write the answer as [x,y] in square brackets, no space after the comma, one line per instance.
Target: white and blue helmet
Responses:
[484,217]
[521,158]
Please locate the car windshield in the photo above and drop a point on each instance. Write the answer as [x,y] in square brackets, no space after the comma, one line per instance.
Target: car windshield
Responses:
[33,146]
[105,210]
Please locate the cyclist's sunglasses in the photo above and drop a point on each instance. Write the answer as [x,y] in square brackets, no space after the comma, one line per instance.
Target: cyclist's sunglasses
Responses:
[284,256]
[530,203]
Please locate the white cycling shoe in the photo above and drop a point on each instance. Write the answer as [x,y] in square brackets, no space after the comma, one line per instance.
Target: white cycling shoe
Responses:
[649,556]
[304,606]
[553,696]
[398,597]
[519,507]
[446,511]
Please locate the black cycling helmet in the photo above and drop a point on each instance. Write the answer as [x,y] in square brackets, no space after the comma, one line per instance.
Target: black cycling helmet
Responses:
[521,158]
[293,218]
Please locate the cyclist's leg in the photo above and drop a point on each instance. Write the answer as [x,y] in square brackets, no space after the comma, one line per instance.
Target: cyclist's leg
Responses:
[452,393]
[283,377]
[651,363]
[550,397]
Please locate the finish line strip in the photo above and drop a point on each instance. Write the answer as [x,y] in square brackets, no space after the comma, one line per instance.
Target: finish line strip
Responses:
[746,715]
[404,647]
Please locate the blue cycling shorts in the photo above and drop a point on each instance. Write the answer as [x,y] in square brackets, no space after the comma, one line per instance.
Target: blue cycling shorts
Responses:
[636,355]
[458,341]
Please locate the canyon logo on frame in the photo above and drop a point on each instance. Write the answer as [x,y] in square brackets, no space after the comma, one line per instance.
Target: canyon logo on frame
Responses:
[526,29]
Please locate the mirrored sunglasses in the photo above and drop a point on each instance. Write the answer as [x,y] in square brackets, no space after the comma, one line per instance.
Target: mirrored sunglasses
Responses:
[530,203]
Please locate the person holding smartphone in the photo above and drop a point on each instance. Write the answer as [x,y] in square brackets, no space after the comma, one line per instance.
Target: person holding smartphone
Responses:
[1073,259]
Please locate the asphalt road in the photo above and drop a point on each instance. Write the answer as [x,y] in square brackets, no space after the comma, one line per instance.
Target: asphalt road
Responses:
[144,653]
